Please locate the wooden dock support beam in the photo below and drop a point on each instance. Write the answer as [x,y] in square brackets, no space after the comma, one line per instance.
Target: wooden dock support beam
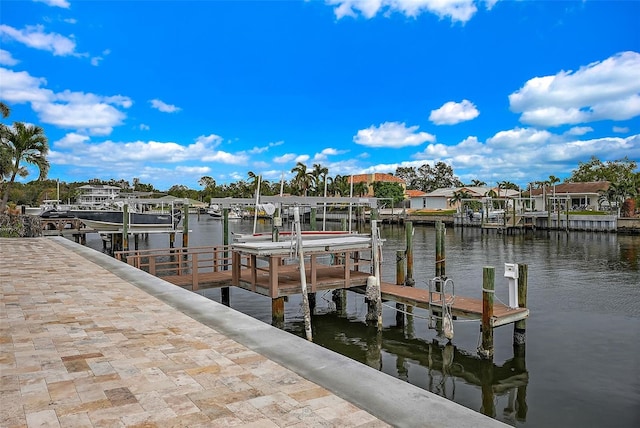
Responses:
[520,327]
[224,291]
[408,228]
[277,311]
[185,226]
[400,280]
[125,227]
[488,290]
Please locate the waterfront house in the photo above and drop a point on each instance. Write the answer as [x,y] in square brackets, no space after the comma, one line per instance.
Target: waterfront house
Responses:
[584,196]
[97,195]
[440,199]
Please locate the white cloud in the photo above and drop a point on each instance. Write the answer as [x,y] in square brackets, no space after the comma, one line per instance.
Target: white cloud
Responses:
[21,87]
[57,3]
[325,153]
[80,150]
[92,113]
[35,37]
[519,138]
[71,141]
[607,90]
[302,158]
[522,154]
[6,58]
[393,135]
[451,113]
[258,150]
[98,118]
[456,10]
[621,129]
[580,130]
[193,170]
[164,107]
[285,158]
[144,127]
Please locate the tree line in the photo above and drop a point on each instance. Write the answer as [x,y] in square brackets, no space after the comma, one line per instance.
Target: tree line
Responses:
[22,144]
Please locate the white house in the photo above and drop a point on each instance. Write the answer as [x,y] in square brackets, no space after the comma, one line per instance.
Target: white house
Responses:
[96,195]
[440,199]
[579,196]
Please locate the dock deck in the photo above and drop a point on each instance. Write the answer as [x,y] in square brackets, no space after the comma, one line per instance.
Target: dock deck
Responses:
[462,306]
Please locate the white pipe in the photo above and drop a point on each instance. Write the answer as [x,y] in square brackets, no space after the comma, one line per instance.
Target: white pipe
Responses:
[351,196]
[303,275]
[376,267]
[255,211]
[324,213]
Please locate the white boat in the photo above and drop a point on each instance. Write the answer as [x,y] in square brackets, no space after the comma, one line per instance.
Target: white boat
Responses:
[112,220]
[215,212]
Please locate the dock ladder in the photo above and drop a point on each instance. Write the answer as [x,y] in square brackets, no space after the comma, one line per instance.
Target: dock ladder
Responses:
[441,297]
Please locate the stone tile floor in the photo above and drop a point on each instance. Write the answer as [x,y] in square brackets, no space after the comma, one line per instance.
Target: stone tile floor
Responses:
[80,347]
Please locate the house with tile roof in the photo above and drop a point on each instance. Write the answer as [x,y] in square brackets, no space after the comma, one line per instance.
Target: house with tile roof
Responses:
[582,196]
[377,177]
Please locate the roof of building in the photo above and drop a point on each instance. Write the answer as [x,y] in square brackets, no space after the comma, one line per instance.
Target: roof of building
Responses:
[593,187]
[412,193]
[473,191]
[99,186]
[376,177]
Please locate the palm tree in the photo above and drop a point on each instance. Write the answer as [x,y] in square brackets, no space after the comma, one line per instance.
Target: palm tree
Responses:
[339,185]
[478,183]
[303,179]
[458,196]
[21,143]
[318,172]
[4,110]
[253,180]
[360,189]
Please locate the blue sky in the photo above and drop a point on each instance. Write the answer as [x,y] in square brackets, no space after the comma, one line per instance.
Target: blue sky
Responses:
[171,91]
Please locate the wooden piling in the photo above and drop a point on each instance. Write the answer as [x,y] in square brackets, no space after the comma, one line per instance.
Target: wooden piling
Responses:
[185,226]
[125,227]
[224,291]
[438,249]
[488,290]
[408,228]
[520,327]
[400,280]
[277,311]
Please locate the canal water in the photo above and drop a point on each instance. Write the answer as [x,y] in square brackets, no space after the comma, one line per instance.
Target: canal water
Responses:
[581,367]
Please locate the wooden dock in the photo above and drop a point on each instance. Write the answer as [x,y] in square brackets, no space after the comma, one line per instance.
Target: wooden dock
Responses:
[461,306]
[265,268]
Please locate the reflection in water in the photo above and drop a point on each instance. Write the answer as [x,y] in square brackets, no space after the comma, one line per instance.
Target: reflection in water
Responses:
[443,365]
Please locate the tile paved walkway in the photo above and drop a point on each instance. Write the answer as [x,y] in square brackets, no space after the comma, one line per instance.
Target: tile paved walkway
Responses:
[80,347]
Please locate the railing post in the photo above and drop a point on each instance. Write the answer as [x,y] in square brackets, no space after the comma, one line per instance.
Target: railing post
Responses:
[195,285]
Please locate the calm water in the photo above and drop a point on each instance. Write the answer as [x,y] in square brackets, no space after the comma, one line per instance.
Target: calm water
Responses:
[582,361]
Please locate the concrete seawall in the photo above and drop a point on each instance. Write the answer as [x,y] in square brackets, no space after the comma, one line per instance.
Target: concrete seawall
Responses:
[44,277]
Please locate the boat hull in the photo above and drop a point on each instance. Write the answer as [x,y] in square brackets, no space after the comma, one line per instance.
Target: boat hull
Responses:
[112,220]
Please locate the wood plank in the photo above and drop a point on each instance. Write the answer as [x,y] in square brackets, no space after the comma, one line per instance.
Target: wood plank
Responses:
[467,307]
